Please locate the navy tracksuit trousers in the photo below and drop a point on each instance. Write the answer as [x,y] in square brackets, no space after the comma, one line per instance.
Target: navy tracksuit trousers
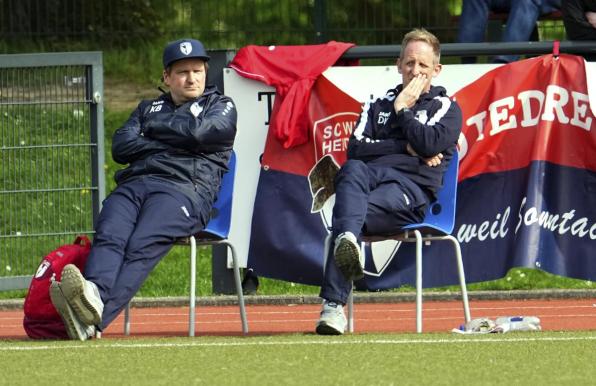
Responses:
[369,199]
[138,225]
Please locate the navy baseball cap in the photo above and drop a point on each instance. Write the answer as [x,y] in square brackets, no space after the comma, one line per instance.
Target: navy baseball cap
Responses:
[183,49]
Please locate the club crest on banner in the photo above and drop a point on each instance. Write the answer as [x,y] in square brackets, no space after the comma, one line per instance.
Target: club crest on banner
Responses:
[330,140]
[331,135]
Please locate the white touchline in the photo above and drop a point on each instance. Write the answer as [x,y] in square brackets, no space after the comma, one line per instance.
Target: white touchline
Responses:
[300,343]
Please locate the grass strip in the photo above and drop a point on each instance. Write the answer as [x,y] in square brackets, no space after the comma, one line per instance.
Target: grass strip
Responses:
[531,358]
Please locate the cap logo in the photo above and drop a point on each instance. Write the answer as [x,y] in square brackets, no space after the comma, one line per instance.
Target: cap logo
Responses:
[185,48]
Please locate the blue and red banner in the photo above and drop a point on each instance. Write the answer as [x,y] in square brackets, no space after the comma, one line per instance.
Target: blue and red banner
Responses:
[526,197]
[527,191]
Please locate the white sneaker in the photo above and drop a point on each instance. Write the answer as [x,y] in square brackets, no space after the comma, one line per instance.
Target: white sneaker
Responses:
[82,295]
[75,329]
[347,256]
[333,320]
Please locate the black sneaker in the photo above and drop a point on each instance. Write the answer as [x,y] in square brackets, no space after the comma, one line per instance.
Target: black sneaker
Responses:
[347,256]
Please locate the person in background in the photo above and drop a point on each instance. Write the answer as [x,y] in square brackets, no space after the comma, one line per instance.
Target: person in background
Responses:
[521,21]
[397,155]
[177,148]
[579,17]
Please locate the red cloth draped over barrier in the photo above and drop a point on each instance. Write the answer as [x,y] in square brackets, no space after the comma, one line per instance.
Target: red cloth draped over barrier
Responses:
[292,70]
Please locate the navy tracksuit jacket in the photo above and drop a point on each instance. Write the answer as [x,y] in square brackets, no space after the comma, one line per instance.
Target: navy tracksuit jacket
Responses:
[177,156]
[381,187]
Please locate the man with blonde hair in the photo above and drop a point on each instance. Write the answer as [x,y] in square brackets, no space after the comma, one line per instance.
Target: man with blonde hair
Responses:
[397,156]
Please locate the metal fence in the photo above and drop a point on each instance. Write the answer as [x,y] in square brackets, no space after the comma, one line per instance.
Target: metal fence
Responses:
[227,24]
[51,156]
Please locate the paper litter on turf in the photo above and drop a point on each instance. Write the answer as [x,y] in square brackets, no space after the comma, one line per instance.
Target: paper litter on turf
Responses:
[502,324]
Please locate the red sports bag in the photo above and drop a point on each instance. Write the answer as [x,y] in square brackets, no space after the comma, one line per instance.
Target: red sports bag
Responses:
[42,321]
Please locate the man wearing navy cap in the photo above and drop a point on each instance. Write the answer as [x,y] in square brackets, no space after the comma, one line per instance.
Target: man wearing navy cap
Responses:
[176,149]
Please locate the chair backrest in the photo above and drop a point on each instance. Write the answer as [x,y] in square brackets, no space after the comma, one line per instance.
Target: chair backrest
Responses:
[221,213]
[440,215]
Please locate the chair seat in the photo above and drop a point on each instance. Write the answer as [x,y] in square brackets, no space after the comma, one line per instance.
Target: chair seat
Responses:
[407,234]
[201,238]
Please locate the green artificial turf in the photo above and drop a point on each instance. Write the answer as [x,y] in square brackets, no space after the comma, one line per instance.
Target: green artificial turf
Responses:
[539,358]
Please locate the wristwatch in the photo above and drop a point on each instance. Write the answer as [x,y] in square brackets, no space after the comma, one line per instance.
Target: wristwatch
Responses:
[404,110]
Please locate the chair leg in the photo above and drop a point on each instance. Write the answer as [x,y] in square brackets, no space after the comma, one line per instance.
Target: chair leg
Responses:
[462,276]
[239,288]
[351,310]
[193,284]
[351,295]
[326,247]
[418,281]
[127,319]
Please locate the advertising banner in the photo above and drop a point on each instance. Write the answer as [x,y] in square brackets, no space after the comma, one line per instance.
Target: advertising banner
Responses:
[527,191]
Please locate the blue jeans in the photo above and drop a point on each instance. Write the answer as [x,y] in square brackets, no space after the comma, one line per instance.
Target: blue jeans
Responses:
[521,21]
